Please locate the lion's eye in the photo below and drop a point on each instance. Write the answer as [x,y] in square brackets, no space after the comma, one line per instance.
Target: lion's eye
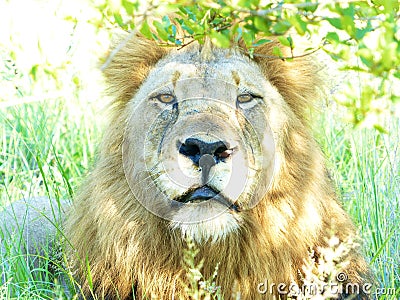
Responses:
[165,98]
[243,98]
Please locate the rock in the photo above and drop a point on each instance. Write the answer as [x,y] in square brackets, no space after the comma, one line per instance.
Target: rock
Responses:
[31,227]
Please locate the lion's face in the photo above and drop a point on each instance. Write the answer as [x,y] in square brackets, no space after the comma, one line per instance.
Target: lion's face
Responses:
[208,152]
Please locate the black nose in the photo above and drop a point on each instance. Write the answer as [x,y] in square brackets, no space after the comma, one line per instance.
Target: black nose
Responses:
[195,148]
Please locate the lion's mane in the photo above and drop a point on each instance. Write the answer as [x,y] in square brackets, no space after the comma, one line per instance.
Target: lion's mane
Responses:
[128,248]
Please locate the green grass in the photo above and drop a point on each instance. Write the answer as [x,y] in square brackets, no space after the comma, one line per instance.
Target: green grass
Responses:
[41,141]
[45,150]
[365,166]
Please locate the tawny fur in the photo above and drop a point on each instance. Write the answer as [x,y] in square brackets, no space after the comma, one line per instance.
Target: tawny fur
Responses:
[128,248]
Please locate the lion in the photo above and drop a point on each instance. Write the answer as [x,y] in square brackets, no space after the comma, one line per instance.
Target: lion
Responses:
[213,146]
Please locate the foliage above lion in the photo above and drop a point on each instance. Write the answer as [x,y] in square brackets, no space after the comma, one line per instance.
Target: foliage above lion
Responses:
[212,145]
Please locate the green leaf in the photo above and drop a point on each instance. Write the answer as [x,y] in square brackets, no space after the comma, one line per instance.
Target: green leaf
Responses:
[33,72]
[220,39]
[389,56]
[380,128]
[332,37]
[76,80]
[388,5]
[217,21]
[277,52]
[312,8]
[290,40]
[185,25]
[282,26]
[366,56]
[129,7]
[348,11]
[360,33]
[348,25]
[145,30]
[119,20]
[226,11]
[161,31]
[395,98]
[166,21]
[248,37]
[299,24]
[261,24]
[335,22]
[187,12]
[261,42]
[285,41]
[248,3]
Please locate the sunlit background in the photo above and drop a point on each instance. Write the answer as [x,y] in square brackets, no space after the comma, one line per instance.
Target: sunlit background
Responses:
[50,50]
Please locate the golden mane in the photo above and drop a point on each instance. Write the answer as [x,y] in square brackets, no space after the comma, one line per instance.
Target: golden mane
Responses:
[124,249]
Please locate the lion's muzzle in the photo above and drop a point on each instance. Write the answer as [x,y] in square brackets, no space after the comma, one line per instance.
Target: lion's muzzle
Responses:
[205,154]
[206,193]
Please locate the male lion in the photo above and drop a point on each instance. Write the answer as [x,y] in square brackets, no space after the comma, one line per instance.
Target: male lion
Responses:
[212,145]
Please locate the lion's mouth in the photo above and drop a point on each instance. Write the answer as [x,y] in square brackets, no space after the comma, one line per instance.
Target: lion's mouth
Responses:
[205,193]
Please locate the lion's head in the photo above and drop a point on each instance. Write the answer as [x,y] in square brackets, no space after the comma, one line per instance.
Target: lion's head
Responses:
[205,151]
[214,145]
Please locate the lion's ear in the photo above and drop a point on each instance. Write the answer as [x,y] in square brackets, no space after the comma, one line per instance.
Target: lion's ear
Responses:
[296,79]
[128,64]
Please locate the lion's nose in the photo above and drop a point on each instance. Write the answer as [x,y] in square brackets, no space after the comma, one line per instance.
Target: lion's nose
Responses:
[194,149]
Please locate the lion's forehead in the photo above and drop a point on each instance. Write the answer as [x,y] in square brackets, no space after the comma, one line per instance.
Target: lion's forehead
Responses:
[225,66]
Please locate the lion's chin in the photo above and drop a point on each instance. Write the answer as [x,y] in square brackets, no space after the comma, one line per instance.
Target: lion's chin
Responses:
[207,221]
